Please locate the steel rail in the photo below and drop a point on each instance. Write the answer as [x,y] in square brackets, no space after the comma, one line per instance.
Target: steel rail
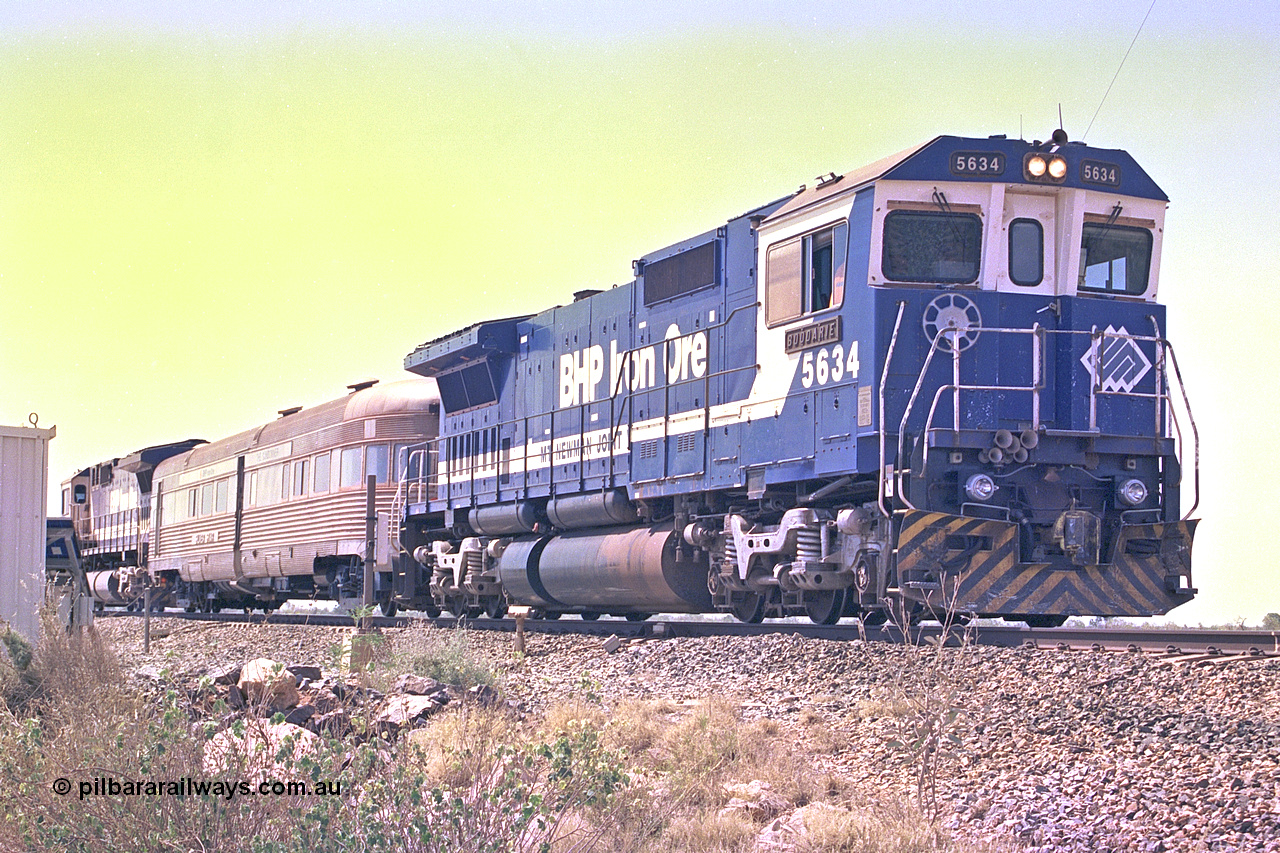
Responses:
[1157,639]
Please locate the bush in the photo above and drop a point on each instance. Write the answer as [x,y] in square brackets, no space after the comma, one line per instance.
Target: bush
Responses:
[19,649]
[446,656]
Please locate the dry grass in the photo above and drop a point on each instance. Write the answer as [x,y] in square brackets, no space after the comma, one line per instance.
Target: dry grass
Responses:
[489,787]
[887,829]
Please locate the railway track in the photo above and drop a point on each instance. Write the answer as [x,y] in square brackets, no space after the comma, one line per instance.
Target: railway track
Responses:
[1168,641]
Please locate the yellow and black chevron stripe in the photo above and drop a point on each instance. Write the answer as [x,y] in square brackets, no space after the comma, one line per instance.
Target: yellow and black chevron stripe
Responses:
[982,555]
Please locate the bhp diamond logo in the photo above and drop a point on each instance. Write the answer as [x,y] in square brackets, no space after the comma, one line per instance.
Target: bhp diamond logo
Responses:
[1123,362]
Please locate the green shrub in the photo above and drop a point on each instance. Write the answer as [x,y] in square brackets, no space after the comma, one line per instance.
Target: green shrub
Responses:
[20,650]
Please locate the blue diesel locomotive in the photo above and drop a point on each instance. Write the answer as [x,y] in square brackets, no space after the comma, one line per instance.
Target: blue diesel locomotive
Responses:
[939,381]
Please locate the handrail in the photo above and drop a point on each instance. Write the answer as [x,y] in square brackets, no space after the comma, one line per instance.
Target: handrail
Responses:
[884,380]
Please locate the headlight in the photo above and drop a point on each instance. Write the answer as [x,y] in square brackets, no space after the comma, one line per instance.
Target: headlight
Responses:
[1042,167]
[1132,492]
[980,487]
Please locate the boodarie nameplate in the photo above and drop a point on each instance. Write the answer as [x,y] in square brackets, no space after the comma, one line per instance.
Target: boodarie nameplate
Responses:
[814,335]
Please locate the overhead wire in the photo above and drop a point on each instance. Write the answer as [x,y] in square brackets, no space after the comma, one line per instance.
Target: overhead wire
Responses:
[1117,74]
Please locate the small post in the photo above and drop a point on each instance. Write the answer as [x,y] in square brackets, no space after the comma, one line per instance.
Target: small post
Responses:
[370,546]
[520,612]
[146,620]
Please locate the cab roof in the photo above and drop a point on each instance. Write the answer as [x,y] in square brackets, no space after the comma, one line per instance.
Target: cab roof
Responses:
[936,160]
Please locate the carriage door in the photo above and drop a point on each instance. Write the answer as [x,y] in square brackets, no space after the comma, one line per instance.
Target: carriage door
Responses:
[1027,237]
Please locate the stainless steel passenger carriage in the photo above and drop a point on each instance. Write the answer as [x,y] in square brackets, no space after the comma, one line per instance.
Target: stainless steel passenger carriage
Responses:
[280,511]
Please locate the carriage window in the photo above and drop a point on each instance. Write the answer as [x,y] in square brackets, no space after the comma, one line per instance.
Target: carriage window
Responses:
[1026,252]
[806,274]
[1115,259]
[349,473]
[206,499]
[220,493]
[269,484]
[376,463]
[322,466]
[923,245]
[300,481]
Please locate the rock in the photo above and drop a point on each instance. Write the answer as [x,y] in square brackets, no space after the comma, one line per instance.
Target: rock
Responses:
[791,834]
[226,675]
[264,751]
[324,700]
[305,672]
[265,682]
[405,709]
[756,799]
[235,698]
[299,715]
[419,685]
[483,694]
[333,724]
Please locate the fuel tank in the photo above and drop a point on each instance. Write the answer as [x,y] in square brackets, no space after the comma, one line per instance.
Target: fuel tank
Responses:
[105,587]
[635,570]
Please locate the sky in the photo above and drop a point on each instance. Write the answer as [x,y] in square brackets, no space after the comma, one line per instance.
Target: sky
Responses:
[213,211]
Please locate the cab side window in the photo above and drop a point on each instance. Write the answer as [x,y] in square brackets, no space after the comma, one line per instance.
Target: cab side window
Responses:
[806,274]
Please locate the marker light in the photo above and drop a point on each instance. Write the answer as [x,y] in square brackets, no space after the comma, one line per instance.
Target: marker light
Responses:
[1057,168]
[980,487]
[1036,166]
[1132,492]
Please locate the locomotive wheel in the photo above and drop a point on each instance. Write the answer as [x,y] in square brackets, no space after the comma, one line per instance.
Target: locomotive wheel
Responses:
[824,607]
[749,608]
[496,607]
[638,617]
[432,611]
[388,607]
[590,616]
[456,604]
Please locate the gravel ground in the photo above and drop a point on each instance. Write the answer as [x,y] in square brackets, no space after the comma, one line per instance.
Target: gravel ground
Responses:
[1059,751]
